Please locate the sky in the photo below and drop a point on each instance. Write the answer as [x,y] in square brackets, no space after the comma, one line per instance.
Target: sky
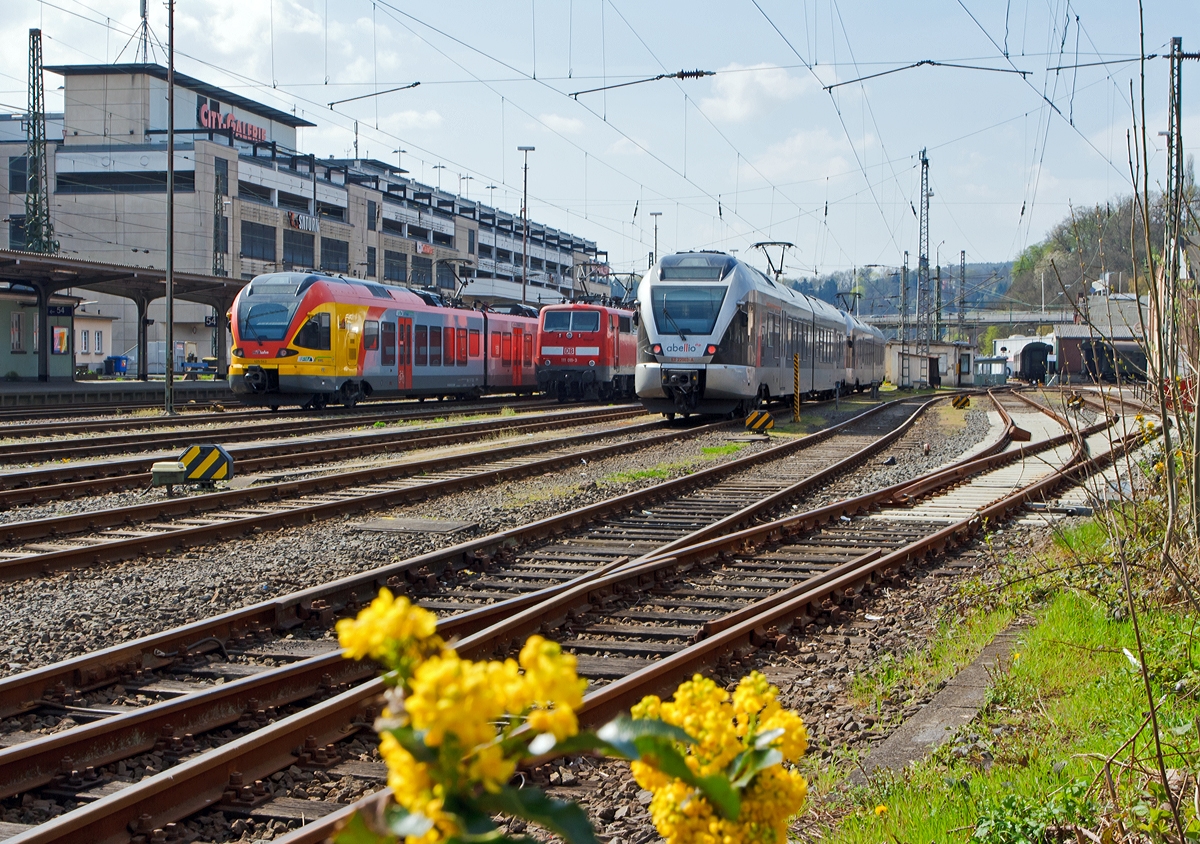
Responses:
[759,151]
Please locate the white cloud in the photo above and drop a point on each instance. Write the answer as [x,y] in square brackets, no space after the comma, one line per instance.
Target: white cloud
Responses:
[624,146]
[806,154]
[562,125]
[398,121]
[745,91]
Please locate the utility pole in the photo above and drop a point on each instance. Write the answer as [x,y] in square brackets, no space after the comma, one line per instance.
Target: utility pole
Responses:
[924,305]
[655,215]
[938,336]
[905,376]
[218,264]
[1175,211]
[962,295]
[169,391]
[39,230]
[525,224]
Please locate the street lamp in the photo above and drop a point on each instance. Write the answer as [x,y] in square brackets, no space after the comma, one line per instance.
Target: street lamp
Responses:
[655,215]
[462,177]
[491,189]
[439,168]
[525,223]
[399,160]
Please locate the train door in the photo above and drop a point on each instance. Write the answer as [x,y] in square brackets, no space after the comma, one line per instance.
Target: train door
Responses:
[614,340]
[517,372]
[387,346]
[403,354]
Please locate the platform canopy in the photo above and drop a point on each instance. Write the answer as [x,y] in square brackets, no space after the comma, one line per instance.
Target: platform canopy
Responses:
[48,274]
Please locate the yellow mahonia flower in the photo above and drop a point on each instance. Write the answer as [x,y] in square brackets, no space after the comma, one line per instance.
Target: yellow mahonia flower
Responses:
[464,698]
[390,630]
[881,810]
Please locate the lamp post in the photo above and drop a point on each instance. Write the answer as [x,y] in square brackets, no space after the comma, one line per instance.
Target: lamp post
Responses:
[525,223]
[439,168]
[462,177]
[491,189]
[655,215]
[169,392]
[399,159]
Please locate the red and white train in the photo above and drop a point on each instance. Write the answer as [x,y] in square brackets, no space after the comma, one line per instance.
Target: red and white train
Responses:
[587,351]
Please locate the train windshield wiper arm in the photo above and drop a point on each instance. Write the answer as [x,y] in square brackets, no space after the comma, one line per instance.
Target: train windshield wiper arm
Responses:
[667,314]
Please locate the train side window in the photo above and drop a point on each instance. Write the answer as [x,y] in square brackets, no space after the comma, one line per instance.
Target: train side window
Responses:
[371,335]
[474,342]
[624,323]
[448,346]
[435,345]
[462,346]
[422,346]
[496,345]
[529,350]
[506,355]
[388,356]
[315,333]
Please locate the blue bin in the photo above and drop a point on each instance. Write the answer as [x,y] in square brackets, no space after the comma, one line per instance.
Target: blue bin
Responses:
[116,365]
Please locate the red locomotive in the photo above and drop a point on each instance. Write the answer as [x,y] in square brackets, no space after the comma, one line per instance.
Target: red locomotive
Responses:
[587,351]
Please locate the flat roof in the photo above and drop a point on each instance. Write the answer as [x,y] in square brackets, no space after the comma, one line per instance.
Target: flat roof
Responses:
[185,81]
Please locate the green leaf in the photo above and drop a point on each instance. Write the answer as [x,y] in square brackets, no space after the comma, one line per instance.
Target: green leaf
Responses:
[474,820]
[356,832]
[751,762]
[764,740]
[403,823]
[623,733]
[565,819]
[582,742]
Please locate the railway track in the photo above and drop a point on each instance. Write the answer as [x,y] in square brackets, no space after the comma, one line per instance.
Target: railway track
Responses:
[590,609]
[35,547]
[236,429]
[603,546]
[73,480]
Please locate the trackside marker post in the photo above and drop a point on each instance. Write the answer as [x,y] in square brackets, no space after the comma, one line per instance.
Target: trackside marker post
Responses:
[795,388]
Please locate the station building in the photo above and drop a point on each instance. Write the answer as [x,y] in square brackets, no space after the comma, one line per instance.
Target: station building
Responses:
[247,201]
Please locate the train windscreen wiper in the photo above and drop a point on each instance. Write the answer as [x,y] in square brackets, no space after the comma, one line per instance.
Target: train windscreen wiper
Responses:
[667,314]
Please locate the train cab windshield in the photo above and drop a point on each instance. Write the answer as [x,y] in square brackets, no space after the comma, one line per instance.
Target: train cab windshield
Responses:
[686,311]
[695,267]
[571,321]
[266,320]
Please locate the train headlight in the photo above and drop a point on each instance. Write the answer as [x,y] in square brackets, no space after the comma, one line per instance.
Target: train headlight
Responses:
[547,361]
[591,363]
[710,349]
[239,353]
[656,349]
[286,353]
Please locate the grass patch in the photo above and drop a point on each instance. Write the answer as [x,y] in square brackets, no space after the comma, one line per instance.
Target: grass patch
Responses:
[720,450]
[953,646]
[1068,699]
[657,472]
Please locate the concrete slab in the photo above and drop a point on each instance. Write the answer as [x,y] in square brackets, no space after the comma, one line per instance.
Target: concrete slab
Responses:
[955,705]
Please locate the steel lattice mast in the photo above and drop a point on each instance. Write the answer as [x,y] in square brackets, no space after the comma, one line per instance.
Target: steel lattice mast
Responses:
[39,231]
[924,299]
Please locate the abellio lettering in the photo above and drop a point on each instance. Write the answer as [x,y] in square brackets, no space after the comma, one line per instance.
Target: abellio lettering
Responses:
[682,348]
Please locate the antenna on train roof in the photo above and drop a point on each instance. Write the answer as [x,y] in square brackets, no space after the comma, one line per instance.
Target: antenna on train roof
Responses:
[783,245]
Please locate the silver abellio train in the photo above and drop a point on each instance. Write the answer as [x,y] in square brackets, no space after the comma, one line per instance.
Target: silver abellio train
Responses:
[717,336]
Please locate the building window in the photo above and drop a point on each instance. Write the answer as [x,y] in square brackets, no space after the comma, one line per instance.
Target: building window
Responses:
[221,170]
[258,241]
[372,211]
[17,331]
[335,255]
[331,212]
[422,271]
[297,249]
[125,182]
[84,337]
[445,277]
[221,235]
[470,241]
[293,202]
[418,233]
[253,193]
[371,262]
[99,342]
[395,265]
[16,232]
[393,227]
[443,239]
[485,251]
[18,173]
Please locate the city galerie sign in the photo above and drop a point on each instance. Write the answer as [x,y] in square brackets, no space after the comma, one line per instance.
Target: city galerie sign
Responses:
[303,222]
[210,117]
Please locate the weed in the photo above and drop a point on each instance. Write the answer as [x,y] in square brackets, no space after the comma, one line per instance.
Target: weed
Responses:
[380,424]
[718,450]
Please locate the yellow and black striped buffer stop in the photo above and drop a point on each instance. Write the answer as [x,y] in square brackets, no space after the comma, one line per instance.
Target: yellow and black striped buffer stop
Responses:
[204,463]
[961,402]
[760,420]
